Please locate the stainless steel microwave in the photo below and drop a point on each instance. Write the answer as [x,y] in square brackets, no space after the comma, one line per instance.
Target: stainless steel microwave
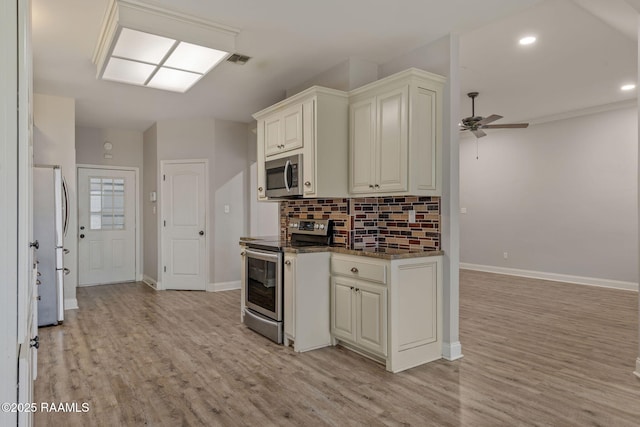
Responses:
[284,177]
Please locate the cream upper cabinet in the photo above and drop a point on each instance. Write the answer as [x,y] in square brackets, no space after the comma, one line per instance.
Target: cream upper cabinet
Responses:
[283,131]
[395,135]
[313,123]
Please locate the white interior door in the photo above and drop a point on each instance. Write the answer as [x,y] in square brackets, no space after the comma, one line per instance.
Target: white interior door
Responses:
[107,226]
[184,234]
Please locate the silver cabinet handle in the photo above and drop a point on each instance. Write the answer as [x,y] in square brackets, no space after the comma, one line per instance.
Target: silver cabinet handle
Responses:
[377,186]
[287,262]
[370,185]
[38,282]
[354,270]
[260,189]
[307,183]
[243,253]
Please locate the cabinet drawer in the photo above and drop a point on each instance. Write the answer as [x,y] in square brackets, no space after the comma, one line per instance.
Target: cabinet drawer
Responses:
[359,269]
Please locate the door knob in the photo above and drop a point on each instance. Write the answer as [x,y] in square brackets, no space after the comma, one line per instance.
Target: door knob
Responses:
[201,233]
[35,244]
[82,236]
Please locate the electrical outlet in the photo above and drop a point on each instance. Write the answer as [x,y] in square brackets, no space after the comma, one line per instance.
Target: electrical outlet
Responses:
[505,255]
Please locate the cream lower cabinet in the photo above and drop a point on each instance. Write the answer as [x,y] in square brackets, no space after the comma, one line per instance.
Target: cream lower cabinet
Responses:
[359,314]
[388,310]
[306,300]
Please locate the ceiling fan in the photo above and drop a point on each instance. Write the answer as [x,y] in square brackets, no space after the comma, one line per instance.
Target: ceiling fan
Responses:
[475,124]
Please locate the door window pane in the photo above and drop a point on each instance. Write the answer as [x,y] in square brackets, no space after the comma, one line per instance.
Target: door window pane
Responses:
[106,203]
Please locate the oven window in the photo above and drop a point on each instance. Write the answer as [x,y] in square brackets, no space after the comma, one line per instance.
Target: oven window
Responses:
[261,283]
[275,178]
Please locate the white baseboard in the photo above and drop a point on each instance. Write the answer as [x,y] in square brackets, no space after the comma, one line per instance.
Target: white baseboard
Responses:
[223,286]
[150,281]
[637,372]
[579,280]
[452,351]
[71,304]
[140,278]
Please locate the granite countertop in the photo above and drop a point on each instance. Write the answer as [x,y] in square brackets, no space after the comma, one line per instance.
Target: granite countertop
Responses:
[381,253]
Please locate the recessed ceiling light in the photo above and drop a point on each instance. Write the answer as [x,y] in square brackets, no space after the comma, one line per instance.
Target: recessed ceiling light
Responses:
[527,40]
[629,86]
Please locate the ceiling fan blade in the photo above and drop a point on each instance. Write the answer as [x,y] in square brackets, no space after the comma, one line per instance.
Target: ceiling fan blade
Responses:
[507,126]
[478,133]
[491,118]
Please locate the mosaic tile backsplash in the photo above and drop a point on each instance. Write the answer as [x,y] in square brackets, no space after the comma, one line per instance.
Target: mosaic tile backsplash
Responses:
[379,222]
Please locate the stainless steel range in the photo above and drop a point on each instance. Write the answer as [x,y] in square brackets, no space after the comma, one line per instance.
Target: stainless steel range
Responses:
[263,264]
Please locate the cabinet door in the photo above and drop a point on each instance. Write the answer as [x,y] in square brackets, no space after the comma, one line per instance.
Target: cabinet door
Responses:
[343,319]
[371,312]
[392,141]
[272,135]
[362,116]
[292,128]
[289,295]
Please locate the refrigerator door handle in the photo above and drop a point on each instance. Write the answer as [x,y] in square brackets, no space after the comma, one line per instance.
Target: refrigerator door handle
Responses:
[65,201]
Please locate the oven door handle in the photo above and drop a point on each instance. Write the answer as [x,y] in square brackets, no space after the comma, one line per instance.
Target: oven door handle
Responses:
[263,255]
[287,166]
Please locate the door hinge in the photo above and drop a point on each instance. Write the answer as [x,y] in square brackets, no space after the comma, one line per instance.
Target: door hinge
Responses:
[165,268]
[164,177]
[165,222]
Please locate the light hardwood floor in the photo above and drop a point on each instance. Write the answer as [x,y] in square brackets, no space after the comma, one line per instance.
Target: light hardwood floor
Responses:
[535,353]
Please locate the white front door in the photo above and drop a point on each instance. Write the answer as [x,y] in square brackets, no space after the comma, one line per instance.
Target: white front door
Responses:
[184,235]
[107,226]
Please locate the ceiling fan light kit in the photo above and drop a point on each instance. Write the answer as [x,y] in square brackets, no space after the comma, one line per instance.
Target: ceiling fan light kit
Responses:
[476,124]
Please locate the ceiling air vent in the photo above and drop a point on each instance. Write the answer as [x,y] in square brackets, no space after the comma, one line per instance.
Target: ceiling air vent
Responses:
[236,58]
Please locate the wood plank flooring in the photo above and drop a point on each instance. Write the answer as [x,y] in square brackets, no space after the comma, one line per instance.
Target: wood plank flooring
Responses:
[536,353]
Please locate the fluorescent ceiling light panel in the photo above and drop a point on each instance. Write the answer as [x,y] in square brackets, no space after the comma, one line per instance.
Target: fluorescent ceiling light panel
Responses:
[174,80]
[125,71]
[143,47]
[527,40]
[192,57]
[180,50]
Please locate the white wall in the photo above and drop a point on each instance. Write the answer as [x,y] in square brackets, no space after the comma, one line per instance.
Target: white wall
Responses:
[8,207]
[149,208]
[559,197]
[126,151]
[54,144]
[224,145]
[349,74]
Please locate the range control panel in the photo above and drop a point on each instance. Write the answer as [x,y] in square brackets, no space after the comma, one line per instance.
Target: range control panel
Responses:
[318,227]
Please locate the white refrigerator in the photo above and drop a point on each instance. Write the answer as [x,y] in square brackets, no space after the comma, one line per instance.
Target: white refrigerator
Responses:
[50,218]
